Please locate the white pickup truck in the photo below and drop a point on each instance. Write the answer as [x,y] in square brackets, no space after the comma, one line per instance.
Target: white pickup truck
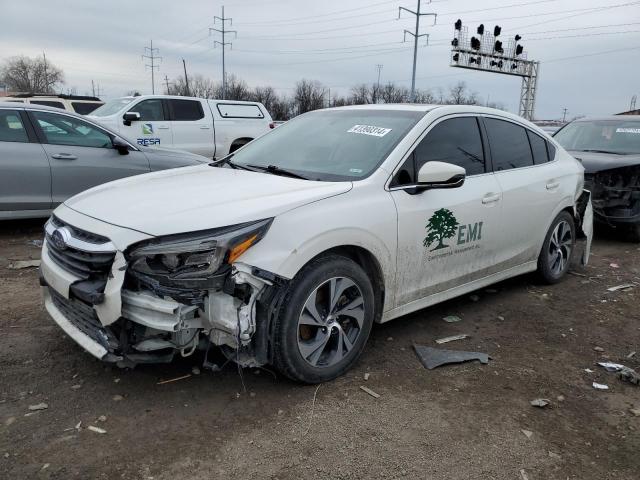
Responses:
[211,128]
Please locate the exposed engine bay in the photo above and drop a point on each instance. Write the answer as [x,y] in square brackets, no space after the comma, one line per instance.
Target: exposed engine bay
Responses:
[616,194]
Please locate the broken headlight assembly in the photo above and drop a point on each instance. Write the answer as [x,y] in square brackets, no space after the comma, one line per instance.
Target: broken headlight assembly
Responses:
[188,259]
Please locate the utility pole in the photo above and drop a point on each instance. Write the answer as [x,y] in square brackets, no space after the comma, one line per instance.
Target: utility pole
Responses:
[564,115]
[416,35]
[46,79]
[379,68]
[152,57]
[95,89]
[166,82]
[186,79]
[223,20]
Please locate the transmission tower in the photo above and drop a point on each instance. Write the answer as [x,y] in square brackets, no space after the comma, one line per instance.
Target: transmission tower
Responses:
[150,54]
[223,21]
[416,35]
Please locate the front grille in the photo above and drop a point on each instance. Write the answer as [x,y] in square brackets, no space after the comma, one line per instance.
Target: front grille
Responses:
[84,317]
[86,258]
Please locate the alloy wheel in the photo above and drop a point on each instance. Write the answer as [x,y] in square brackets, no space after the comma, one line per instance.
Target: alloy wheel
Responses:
[330,322]
[560,245]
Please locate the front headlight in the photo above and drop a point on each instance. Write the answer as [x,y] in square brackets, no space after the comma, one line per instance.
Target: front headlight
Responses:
[198,255]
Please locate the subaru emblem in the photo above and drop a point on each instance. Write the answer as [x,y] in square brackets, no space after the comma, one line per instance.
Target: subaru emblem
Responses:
[59,238]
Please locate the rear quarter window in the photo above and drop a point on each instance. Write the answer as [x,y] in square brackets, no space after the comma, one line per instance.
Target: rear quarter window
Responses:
[238,110]
[186,110]
[85,108]
[509,145]
[538,148]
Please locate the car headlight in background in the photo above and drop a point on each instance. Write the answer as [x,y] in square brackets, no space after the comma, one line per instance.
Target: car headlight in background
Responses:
[198,255]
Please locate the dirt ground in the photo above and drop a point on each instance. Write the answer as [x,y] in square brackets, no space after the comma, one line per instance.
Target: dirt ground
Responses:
[455,422]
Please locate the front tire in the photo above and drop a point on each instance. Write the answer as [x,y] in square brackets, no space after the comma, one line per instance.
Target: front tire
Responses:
[555,257]
[325,320]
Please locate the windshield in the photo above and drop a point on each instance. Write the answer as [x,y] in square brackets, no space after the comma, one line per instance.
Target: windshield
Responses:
[331,145]
[112,106]
[615,136]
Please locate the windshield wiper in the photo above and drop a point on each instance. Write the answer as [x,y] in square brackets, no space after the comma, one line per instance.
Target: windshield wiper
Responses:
[274,169]
[228,161]
[595,150]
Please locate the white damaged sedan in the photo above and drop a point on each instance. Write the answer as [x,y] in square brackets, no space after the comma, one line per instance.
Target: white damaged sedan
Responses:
[288,250]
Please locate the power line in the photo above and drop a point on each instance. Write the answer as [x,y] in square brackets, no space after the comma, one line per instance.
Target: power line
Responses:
[152,57]
[223,44]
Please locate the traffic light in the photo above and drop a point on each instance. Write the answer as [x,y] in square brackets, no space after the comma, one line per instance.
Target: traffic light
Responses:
[514,66]
[519,49]
[496,64]
[498,47]
[454,42]
[456,57]
[458,24]
[475,43]
[518,37]
[496,31]
[481,29]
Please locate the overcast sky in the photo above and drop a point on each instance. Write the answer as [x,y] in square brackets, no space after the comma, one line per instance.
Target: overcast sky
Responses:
[337,42]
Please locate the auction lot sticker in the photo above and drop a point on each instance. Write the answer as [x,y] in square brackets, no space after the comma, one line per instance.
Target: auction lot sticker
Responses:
[369,130]
[628,130]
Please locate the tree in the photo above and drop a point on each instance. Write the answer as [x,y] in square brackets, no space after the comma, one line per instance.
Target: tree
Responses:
[31,75]
[237,89]
[391,93]
[308,95]
[361,94]
[458,95]
[441,225]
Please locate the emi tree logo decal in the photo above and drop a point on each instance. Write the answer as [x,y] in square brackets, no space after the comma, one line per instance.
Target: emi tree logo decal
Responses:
[442,225]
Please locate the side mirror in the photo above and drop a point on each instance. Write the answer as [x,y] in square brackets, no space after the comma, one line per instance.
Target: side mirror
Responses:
[120,145]
[440,175]
[130,117]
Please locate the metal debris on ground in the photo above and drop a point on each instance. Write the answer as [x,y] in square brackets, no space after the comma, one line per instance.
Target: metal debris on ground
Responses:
[527,433]
[21,264]
[39,406]
[451,319]
[624,286]
[96,429]
[614,265]
[600,386]
[540,402]
[434,357]
[577,274]
[588,370]
[624,373]
[174,379]
[452,338]
[366,376]
[631,355]
[369,391]
[598,349]
[117,398]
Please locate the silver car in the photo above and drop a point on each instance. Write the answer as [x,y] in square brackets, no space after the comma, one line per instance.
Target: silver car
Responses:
[48,155]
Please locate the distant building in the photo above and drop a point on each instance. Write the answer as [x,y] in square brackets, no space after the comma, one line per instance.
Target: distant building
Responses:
[630,112]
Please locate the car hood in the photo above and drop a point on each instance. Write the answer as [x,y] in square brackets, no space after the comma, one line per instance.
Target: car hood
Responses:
[595,162]
[198,198]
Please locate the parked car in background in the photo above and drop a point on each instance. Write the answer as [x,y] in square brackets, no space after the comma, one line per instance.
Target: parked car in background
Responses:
[212,128]
[609,149]
[71,103]
[48,155]
[289,249]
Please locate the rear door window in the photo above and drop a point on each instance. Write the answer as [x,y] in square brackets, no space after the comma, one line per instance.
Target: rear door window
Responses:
[239,110]
[185,110]
[149,110]
[11,127]
[509,145]
[538,148]
[48,103]
[85,108]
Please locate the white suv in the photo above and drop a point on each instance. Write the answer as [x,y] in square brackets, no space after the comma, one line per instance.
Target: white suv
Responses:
[288,251]
[80,104]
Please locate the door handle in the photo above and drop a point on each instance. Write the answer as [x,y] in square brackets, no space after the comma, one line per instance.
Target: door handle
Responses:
[204,127]
[64,156]
[490,198]
[163,127]
[552,185]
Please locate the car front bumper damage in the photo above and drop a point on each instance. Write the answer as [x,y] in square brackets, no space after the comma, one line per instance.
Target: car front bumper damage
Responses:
[118,322]
[616,195]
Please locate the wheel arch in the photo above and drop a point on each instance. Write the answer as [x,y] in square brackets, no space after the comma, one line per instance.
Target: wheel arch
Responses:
[239,142]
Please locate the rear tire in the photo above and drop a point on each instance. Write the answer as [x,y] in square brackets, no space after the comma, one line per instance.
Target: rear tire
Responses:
[325,320]
[558,247]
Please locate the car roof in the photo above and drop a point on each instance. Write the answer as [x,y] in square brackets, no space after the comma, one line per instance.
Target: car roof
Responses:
[620,118]
[28,106]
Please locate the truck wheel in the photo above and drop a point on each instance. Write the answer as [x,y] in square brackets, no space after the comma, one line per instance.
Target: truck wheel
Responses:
[555,257]
[325,320]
